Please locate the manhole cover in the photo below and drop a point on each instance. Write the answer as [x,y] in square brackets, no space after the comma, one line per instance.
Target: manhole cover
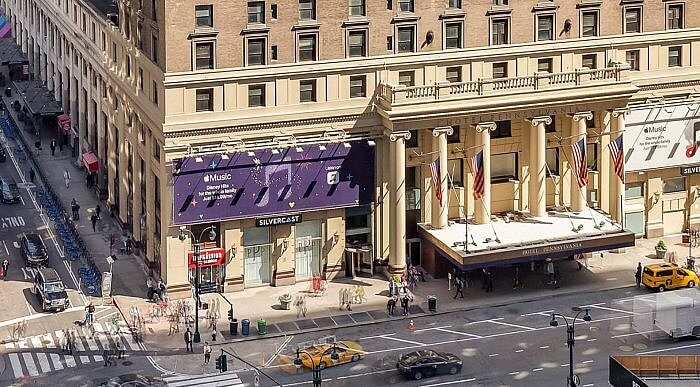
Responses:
[640,346]
[127,363]
[626,348]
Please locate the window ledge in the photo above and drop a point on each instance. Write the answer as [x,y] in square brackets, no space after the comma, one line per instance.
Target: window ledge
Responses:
[403,18]
[306,25]
[453,13]
[255,28]
[203,33]
[539,7]
[589,4]
[499,10]
[356,21]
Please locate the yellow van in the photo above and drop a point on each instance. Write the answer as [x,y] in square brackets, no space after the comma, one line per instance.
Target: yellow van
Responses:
[662,276]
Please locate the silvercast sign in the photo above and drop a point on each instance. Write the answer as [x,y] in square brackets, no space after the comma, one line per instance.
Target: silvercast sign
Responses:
[551,249]
[691,170]
[277,220]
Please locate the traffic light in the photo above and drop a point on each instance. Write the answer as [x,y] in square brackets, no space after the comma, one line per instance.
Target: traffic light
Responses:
[221,363]
[218,362]
[230,315]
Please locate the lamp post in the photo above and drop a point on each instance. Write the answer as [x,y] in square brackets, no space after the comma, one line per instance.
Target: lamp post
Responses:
[317,367]
[212,235]
[571,380]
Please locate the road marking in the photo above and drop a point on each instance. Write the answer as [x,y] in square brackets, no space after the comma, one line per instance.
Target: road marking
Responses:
[403,341]
[14,361]
[279,350]
[597,306]
[43,359]
[587,361]
[544,347]
[519,350]
[448,383]
[366,374]
[37,315]
[591,340]
[542,313]
[588,385]
[537,369]
[81,348]
[514,373]
[29,308]
[376,337]
[432,329]
[564,365]
[493,355]
[6,250]
[495,321]
[458,333]
[22,200]
[669,349]
[29,363]
[55,359]
[70,359]
[631,334]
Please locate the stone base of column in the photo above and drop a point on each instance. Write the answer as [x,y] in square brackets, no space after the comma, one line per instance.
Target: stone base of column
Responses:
[392,270]
[619,251]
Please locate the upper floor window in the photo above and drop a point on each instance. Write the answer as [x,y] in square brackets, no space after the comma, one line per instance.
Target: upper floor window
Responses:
[500,2]
[256,12]
[203,16]
[632,57]
[674,16]
[307,90]
[675,184]
[499,31]
[307,9]
[500,70]
[453,74]
[256,52]
[589,61]
[205,100]
[256,95]
[502,129]
[204,53]
[405,5]
[406,41]
[358,86]
[674,56]
[544,65]
[307,47]
[357,43]
[545,27]
[453,35]
[407,78]
[589,25]
[154,49]
[454,3]
[357,7]
[633,20]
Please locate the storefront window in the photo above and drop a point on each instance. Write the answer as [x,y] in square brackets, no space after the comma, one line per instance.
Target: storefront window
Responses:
[256,246]
[634,190]
[358,226]
[634,221]
[308,240]
[592,156]
[504,167]
[455,170]
[413,201]
[552,160]
[676,184]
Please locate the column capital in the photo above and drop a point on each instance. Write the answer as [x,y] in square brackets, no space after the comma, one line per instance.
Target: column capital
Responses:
[440,130]
[582,116]
[400,135]
[547,120]
[485,126]
[620,112]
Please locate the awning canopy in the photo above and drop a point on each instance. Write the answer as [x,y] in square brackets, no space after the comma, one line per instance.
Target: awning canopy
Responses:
[63,121]
[11,53]
[37,99]
[91,161]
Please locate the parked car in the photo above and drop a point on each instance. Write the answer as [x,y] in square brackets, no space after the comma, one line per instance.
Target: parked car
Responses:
[3,155]
[50,291]
[33,250]
[663,276]
[9,193]
[427,363]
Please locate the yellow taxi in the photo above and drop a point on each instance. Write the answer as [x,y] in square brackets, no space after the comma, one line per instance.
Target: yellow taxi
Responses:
[662,276]
[322,354]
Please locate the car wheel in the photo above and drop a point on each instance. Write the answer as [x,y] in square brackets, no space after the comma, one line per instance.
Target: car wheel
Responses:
[661,288]
[355,357]
[453,370]
[691,284]
[417,375]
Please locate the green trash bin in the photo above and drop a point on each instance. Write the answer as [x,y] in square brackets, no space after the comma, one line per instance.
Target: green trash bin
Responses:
[262,327]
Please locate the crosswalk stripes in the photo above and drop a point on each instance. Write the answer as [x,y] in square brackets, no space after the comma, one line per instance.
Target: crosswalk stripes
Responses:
[26,357]
[226,379]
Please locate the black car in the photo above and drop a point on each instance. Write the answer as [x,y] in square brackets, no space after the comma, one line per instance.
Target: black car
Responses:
[50,291]
[9,193]
[33,250]
[426,363]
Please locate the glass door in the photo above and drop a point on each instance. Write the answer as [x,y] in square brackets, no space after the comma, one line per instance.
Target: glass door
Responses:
[308,250]
[256,259]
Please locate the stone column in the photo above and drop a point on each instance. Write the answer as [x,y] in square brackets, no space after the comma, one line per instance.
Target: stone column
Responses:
[617,186]
[537,196]
[482,207]
[579,200]
[397,222]
[439,213]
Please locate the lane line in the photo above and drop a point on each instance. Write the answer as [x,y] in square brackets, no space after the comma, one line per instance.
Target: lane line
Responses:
[448,383]
[544,347]
[493,355]
[632,334]
[6,250]
[591,340]
[376,337]
[14,362]
[514,373]
[279,350]
[537,369]
[433,328]
[610,309]
[669,349]
[513,325]
[458,333]
[544,312]
[519,350]
[587,361]
[404,341]
[366,374]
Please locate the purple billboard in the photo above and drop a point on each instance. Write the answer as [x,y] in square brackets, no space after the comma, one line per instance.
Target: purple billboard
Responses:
[267,182]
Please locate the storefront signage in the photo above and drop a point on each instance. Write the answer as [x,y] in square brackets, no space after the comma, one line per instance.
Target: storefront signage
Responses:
[277,220]
[549,249]
[268,182]
[662,137]
[208,257]
[692,170]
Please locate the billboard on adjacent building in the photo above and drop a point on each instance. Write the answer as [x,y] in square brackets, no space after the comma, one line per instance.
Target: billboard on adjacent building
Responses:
[272,182]
[662,136]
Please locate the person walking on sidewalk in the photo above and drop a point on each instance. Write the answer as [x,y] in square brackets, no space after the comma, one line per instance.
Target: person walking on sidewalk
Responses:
[31,175]
[66,178]
[98,211]
[5,267]
[207,352]
[93,220]
[75,208]
[391,305]
[638,275]
[404,304]
[188,340]
[489,281]
[459,288]
[53,147]
[213,332]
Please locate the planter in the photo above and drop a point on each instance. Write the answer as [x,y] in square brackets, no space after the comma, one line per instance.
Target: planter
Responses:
[285,304]
[661,253]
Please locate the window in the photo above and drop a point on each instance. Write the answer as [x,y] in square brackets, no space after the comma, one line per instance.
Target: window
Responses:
[632,57]
[203,16]
[140,79]
[500,2]
[256,52]
[154,91]
[256,12]
[406,39]
[204,56]
[633,20]
[674,56]
[307,9]
[551,157]
[455,170]
[544,65]
[307,47]
[674,16]
[128,66]
[154,8]
[307,91]
[273,52]
[589,25]
[590,61]
[389,4]
[273,11]
[205,100]
[405,5]
[500,70]
[413,141]
[453,35]
[390,43]
[357,43]
[545,27]
[592,156]
[407,78]
[454,137]
[504,167]
[256,95]
[357,7]
[454,3]
[634,190]
[358,86]
[453,74]
[499,31]
[154,49]
[552,127]
[676,184]
[591,123]
[502,129]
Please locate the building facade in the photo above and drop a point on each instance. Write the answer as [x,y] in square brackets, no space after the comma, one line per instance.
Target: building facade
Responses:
[304,131]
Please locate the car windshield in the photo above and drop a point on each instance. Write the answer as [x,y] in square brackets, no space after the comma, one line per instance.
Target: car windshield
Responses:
[413,356]
[34,245]
[54,287]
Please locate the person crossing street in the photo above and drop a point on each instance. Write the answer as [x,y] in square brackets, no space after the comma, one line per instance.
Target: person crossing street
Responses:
[188,340]
[459,288]
[5,267]
[66,178]
[93,220]
[206,349]
[638,275]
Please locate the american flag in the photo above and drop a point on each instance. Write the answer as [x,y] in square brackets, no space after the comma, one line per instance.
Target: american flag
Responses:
[616,154]
[476,165]
[578,153]
[437,184]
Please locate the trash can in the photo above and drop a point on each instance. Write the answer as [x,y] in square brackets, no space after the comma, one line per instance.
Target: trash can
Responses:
[233,327]
[245,327]
[262,327]
[8,92]
[432,303]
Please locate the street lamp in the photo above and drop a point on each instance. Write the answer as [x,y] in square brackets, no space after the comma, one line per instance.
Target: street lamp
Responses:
[571,380]
[212,235]
[316,368]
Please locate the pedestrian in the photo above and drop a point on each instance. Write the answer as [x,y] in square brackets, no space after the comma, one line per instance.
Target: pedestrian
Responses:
[119,349]
[390,306]
[404,304]
[161,289]
[5,267]
[207,352]
[484,278]
[637,274]
[64,341]
[70,339]
[391,287]
[550,269]
[459,288]
[75,208]
[188,340]
[53,147]
[517,282]
[66,178]
[98,211]
[93,220]
[107,357]
[31,175]
[89,313]
[149,285]
[213,332]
